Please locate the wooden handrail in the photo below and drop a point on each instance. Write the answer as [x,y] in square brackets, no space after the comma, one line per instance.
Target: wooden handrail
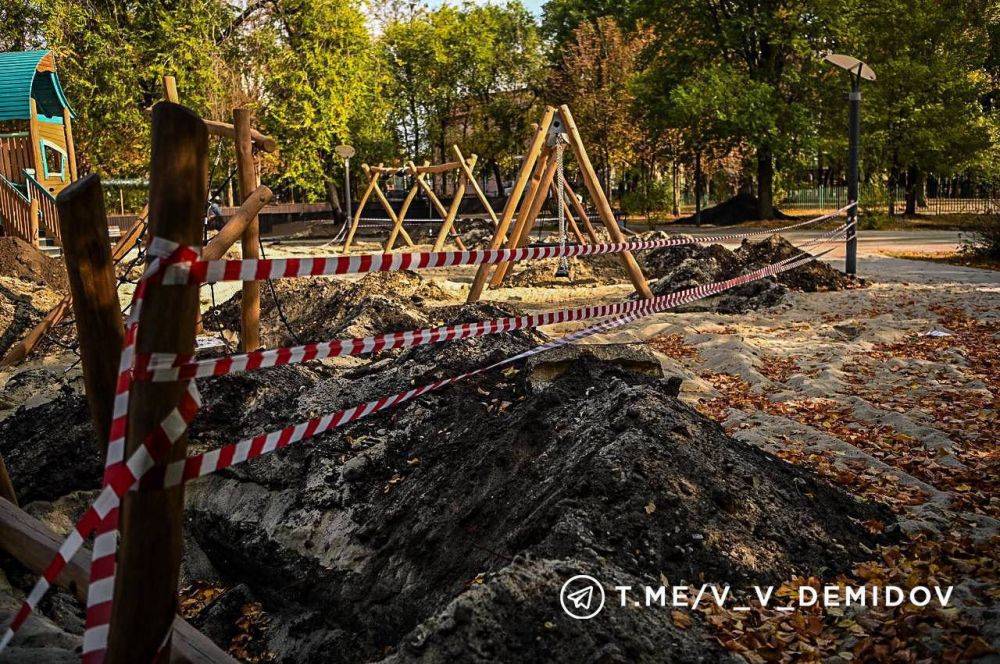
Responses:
[15,208]
[34,545]
[47,208]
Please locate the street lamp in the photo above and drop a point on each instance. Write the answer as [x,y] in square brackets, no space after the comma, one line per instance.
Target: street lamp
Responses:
[858,70]
[345,152]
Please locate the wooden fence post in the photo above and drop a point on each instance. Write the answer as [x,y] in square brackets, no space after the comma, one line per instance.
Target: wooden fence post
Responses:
[151,521]
[33,224]
[247,174]
[91,270]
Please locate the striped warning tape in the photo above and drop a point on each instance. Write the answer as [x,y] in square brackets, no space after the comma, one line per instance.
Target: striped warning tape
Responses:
[143,470]
[284,268]
[167,367]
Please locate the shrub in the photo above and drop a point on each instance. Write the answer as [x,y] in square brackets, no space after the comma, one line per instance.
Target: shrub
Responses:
[983,237]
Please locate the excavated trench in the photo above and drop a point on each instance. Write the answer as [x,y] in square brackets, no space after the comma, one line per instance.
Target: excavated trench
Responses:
[444,529]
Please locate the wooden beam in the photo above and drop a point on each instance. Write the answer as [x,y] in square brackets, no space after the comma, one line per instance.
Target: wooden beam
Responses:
[601,202]
[510,207]
[449,220]
[541,165]
[145,591]
[471,178]
[373,177]
[569,216]
[70,147]
[94,293]
[397,226]
[520,238]
[247,179]
[581,211]
[439,168]
[237,224]
[34,545]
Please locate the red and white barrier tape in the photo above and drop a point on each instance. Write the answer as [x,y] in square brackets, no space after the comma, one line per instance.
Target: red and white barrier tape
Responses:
[141,468]
[167,367]
[286,268]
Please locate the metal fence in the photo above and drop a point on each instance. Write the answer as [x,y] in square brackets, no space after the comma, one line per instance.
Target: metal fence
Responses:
[935,199]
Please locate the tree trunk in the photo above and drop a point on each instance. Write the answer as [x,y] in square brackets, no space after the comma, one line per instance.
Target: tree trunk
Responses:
[892,184]
[697,187]
[912,185]
[765,183]
[675,194]
[497,177]
[334,198]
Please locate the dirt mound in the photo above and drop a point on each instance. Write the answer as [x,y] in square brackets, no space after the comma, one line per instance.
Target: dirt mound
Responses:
[604,269]
[23,261]
[446,527]
[475,233]
[738,209]
[687,266]
[321,309]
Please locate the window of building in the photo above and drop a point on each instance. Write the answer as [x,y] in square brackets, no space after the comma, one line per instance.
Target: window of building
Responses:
[53,161]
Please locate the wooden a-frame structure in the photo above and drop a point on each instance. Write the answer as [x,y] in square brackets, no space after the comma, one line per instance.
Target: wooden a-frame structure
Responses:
[466,178]
[534,181]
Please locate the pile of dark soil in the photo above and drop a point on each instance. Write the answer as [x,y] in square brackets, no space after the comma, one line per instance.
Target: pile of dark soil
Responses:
[444,529]
[606,269]
[322,309]
[475,233]
[740,208]
[23,261]
[686,266]
[31,284]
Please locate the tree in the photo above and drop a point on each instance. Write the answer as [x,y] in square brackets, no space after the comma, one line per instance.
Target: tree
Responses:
[925,113]
[594,77]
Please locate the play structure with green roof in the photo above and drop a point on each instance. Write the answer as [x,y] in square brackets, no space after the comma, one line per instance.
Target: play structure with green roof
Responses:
[37,157]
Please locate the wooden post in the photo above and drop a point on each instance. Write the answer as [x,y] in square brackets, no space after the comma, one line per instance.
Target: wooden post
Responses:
[94,292]
[234,228]
[510,207]
[151,521]
[35,137]
[582,213]
[456,202]
[397,227]
[70,148]
[601,201]
[520,236]
[170,89]
[541,165]
[467,170]
[372,183]
[247,174]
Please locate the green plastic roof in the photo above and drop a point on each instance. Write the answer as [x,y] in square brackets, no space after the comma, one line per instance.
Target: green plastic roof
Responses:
[20,80]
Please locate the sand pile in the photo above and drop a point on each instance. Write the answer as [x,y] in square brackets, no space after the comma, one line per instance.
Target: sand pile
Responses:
[322,309]
[686,266]
[31,284]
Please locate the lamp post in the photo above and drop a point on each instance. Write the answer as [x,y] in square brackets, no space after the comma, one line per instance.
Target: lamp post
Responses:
[345,152]
[858,70]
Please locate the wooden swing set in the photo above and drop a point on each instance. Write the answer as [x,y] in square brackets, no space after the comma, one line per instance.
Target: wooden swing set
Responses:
[536,179]
[466,179]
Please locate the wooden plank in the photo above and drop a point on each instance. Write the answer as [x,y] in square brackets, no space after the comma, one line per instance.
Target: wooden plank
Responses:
[145,591]
[94,293]
[236,225]
[601,202]
[523,176]
[34,545]
[250,242]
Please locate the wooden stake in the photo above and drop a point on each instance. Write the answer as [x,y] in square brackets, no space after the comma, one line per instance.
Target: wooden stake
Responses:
[438,205]
[70,148]
[33,222]
[456,202]
[397,227]
[601,201]
[151,521]
[237,224]
[247,176]
[510,207]
[522,213]
[170,89]
[94,293]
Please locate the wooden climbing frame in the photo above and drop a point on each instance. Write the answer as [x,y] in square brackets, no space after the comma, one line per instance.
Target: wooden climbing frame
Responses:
[464,168]
[536,179]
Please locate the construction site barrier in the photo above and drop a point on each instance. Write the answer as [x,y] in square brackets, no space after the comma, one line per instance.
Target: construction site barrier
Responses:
[144,468]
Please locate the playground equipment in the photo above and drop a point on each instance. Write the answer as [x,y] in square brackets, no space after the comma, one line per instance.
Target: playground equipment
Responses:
[539,168]
[37,157]
[464,168]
